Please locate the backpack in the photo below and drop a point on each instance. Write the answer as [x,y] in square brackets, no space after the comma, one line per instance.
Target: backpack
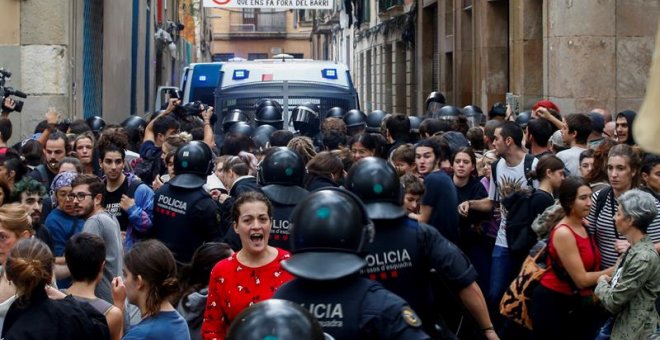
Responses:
[515,303]
[519,235]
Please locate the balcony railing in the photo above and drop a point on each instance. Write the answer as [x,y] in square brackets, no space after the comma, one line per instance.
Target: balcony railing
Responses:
[384,5]
[258,21]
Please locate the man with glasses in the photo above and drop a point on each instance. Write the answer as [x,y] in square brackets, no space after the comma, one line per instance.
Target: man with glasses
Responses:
[87,195]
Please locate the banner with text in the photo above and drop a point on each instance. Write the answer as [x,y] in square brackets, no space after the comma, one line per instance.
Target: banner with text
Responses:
[282,4]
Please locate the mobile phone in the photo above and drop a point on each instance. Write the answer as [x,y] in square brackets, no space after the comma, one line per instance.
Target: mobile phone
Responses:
[513,101]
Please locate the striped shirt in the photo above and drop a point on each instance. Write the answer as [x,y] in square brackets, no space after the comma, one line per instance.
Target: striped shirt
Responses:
[602,227]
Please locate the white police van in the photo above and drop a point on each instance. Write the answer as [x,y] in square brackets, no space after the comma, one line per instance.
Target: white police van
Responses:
[240,84]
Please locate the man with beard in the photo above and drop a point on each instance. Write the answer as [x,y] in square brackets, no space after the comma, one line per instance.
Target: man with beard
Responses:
[54,150]
[30,194]
[87,195]
[125,196]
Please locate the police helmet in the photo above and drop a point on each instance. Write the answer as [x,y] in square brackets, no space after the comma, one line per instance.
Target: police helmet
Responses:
[329,228]
[336,112]
[415,122]
[241,128]
[270,115]
[261,136]
[355,118]
[275,319]
[434,102]
[474,115]
[447,112]
[377,184]
[374,119]
[305,118]
[281,174]
[134,123]
[267,102]
[233,116]
[192,163]
[95,123]
[523,118]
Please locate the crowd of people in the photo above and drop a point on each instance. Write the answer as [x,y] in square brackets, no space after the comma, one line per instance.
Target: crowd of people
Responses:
[381,226]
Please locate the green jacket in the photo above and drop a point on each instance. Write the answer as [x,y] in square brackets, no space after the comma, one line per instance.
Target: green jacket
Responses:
[632,299]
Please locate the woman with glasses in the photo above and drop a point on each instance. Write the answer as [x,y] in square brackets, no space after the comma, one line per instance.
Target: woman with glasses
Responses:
[62,222]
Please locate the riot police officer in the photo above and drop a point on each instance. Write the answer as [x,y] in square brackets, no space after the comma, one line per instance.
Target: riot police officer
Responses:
[275,319]
[336,112]
[185,215]
[434,102]
[270,115]
[97,124]
[474,115]
[356,122]
[232,117]
[329,229]
[305,119]
[281,174]
[374,121]
[404,251]
[447,112]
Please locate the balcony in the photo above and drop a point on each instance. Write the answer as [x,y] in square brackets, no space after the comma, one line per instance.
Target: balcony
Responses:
[257,23]
[388,9]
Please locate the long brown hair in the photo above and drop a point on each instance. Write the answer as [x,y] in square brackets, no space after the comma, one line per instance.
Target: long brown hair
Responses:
[29,267]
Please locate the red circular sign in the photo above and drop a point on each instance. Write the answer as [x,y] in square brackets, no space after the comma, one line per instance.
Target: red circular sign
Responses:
[221,2]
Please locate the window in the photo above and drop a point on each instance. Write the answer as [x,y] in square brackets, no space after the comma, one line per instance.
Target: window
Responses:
[253,56]
[297,55]
[223,56]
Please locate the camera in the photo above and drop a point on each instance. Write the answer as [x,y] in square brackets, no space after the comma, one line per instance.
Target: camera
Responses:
[190,109]
[6,91]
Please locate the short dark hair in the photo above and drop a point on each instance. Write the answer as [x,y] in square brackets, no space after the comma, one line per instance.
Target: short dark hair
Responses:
[588,153]
[433,143]
[13,162]
[96,186]
[79,126]
[233,144]
[5,129]
[84,253]
[164,123]
[475,136]
[412,185]
[649,162]
[431,126]
[541,130]
[398,126]
[511,129]
[581,124]
[489,128]
[249,197]
[281,138]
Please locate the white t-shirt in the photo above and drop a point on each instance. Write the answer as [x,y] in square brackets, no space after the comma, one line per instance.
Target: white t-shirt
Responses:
[509,179]
[571,159]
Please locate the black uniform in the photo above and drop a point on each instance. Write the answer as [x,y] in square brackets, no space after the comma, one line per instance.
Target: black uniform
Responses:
[184,219]
[401,257]
[282,207]
[354,308]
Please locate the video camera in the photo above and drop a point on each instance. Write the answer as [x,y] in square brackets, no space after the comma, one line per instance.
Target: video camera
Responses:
[193,109]
[6,91]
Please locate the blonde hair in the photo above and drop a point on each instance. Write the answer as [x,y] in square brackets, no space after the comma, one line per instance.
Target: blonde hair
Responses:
[14,218]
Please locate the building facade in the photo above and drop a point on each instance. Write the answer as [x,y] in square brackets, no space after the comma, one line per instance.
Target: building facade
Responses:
[259,33]
[579,54]
[97,58]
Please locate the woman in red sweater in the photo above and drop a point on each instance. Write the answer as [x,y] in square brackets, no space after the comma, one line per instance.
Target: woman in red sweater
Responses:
[249,276]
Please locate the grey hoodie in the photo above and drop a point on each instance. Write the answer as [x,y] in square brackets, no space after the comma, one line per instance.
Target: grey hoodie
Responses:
[191,307]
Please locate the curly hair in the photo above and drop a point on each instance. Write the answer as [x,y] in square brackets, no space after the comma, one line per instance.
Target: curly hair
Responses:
[303,146]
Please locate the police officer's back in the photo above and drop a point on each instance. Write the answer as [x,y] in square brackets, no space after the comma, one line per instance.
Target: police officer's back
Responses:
[185,215]
[329,228]
[404,251]
[281,174]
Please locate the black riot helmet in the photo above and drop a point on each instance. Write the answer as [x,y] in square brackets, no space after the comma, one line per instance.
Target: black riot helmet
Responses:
[281,174]
[261,136]
[448,112]
[305,118]
[356,121]
[267,102]
[192,163]
[377,184]
[275,319]
[241,128]
[434,102]
[329,228]
[95,123]
[233,116]
[281,166]
[474,115]
[415,122]
[134,127]
[523,118]
[374,119]
[336,112]
[270,115]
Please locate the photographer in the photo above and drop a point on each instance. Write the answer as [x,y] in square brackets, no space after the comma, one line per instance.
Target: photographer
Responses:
[159,128]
